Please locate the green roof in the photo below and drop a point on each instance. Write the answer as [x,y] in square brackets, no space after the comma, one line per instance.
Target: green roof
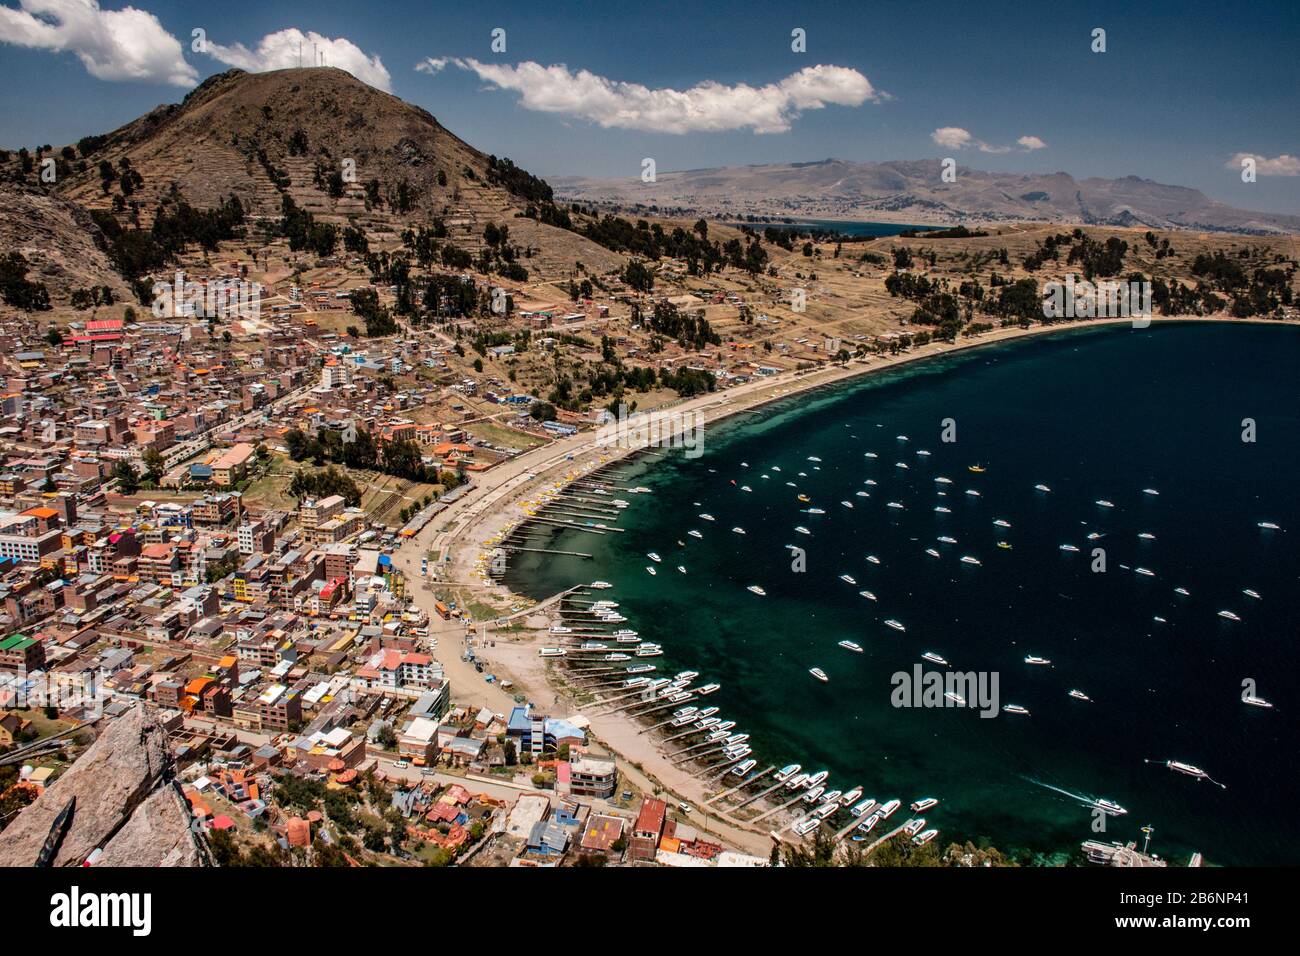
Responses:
[16,643]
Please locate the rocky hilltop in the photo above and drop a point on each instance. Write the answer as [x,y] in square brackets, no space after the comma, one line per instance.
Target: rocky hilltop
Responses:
[125,804]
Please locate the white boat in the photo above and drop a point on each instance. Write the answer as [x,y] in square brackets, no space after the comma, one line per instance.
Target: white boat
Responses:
[1186,768]
[755,589]
[651,569]
[694,534]
[934,658]
[653,557]
[1001,523]
[1183,591]
[681,569]
[921,839]
[1080,695]
[852,796]
[1269,525]
[1251,594]
[872,559]
[707,517]
[742,768]
[818,778]
[1146,572]
[967,559]
[862,494]
[896,505]
[1041,487]
[1069,547]
[1015,709]
[814,458]
[738,529]
[923,453]
[868,595]
[887,809]
[847,504]
[901,464]
[956,698]
[617,657]
[851,646]
[941,480]
[798,781]
[973,493]
[869,454]
[818,673]
[896,625]
[947,539]
[942,510]
[552,652]
[913,827]
[1109,807]
[640,668]
[707,712]
[1254,701]
[1150,491]
[1146,536]
[869,824]
[600,585]
[686,675]
[746,488]
[901,437]
[786,772]
[1228,615]
[1103,503]
[863,808]
[1034,659]
[847,579]
[931,552]
[801,529]
[708,689]
[831,796]
[807,825]
[561,629]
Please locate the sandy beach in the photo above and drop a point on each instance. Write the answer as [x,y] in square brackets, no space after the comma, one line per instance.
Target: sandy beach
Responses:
[459,539]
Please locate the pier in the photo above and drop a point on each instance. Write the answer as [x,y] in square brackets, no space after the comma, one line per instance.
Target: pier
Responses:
[740,786]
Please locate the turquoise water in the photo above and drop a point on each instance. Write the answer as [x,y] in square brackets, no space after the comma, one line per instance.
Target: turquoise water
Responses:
[1094,414]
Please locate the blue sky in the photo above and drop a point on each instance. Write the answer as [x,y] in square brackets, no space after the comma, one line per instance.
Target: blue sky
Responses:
[1181,89]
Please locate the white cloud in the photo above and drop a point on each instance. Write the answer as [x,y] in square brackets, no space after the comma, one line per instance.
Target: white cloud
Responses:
[280,51]
[954,137]
[706,107]
[1283,165]
[431,65]
[126,44]
[951,137]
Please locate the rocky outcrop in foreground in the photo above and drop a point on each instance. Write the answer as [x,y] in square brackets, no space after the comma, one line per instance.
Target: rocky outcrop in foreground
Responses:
[124,805]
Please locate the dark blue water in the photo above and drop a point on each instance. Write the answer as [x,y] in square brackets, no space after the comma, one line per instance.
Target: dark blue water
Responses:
[846,228]
[1094,414]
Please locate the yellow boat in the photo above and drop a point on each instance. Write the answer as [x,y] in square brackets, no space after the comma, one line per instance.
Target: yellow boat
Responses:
[1005,546]
[978,469]
[804,498]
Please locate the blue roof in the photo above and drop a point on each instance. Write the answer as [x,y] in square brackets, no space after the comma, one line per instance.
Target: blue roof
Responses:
[519,720]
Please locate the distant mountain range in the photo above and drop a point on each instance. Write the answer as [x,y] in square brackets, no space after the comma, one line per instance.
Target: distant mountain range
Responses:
[913,191]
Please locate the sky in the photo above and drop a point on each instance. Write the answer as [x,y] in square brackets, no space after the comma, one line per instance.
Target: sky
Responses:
[1182,92]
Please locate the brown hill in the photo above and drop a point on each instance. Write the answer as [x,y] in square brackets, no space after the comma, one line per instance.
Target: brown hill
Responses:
[259,136]
[59,240]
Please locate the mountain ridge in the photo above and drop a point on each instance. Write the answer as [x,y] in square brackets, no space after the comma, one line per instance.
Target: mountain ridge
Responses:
[913,190]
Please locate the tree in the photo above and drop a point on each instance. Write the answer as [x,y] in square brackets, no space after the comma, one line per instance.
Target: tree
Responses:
[128,479]
[153,465]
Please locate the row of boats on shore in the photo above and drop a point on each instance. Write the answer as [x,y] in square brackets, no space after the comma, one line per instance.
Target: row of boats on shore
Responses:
[824,804]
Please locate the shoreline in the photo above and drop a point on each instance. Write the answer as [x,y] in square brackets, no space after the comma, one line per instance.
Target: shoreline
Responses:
[464,539]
